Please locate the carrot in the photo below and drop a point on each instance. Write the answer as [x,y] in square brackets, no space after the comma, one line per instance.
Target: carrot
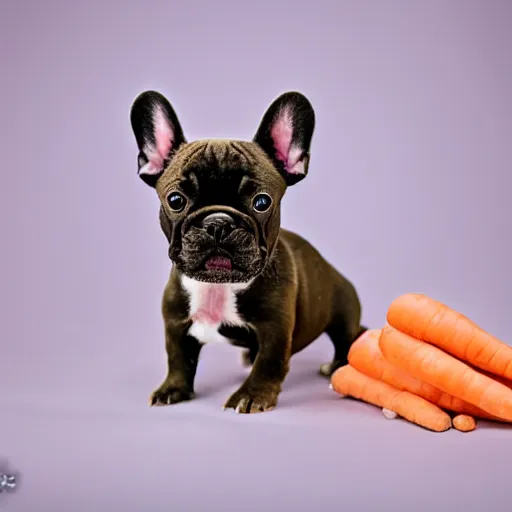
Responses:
[365,355]
[429,320]
[464,423]
[350,382]
[432,365]
[502,380]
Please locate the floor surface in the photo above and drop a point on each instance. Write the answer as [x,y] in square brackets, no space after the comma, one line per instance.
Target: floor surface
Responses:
[100,447]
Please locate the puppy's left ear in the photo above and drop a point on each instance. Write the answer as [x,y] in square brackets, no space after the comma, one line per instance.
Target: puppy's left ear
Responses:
[285,134]
[158,134]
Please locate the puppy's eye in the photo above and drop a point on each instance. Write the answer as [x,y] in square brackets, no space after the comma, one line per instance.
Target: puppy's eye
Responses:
[262,202]
[176,201]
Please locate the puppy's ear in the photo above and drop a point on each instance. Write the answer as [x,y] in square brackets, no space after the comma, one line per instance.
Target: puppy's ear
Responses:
[158,134]
[285,134]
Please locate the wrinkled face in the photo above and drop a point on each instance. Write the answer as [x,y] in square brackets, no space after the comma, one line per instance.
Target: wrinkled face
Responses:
[220,199]
[220,210]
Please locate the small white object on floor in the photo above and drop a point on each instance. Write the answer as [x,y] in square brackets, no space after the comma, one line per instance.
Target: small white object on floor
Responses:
[7,482]
[390,415]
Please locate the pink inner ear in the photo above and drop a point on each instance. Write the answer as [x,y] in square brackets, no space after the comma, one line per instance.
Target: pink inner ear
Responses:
[164,135]
[282,133]
[164,138]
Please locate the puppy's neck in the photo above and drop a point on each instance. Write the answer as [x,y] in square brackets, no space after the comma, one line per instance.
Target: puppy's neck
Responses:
[213,303]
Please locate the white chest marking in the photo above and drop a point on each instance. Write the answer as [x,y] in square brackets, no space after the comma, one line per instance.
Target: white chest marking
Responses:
[210,306]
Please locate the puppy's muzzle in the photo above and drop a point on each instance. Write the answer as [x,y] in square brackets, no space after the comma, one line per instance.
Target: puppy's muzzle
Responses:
[218,225]
[219,222]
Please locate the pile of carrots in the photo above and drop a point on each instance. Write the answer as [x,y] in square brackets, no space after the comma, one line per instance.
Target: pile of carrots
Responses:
[430,365]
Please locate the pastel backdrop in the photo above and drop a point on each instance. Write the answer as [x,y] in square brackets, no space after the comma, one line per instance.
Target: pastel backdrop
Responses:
[409,190]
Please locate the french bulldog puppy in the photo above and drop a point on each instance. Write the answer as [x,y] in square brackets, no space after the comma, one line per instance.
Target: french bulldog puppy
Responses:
[237,277]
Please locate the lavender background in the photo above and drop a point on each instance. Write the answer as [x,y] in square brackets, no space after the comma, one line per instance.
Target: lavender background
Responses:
[409,190]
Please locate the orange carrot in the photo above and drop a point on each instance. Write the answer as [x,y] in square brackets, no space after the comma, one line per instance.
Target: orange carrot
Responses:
[350,382]
[365,356]
[502,380]
[445,372]
[464,423]
[429,320]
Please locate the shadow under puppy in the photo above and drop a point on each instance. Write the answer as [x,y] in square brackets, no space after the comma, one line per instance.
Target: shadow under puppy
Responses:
[236,276]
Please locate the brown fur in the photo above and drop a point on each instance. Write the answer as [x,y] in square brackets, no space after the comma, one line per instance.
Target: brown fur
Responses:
[295,295]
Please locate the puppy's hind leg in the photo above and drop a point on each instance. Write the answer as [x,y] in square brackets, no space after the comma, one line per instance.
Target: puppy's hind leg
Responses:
[342,337]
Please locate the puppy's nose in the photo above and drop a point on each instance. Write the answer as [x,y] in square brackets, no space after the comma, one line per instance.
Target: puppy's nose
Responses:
[219,225]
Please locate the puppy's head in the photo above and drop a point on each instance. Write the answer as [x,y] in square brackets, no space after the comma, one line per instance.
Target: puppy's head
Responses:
[220,199]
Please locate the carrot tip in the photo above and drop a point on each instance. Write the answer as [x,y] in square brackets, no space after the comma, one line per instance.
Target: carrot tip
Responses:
[389,414]
[464,423]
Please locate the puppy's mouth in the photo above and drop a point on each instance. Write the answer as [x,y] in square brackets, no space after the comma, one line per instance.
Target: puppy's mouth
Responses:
[222,268]
[219,264]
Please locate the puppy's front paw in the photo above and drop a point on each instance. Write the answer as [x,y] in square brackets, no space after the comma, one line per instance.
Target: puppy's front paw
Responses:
[168,395]
[245,401]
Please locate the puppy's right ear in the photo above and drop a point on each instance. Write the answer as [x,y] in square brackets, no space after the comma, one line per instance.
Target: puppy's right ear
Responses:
[158,134]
